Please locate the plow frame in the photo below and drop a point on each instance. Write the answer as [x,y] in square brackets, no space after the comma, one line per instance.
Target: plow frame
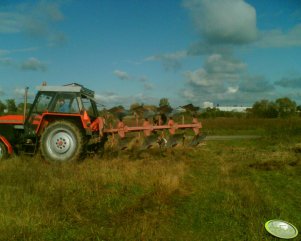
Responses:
[149,130]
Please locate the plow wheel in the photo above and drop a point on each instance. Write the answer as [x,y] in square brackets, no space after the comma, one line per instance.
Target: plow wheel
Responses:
[62,141]
[3,151]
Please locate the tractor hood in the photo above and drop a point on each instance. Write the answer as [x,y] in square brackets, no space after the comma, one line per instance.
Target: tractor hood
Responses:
[12,119]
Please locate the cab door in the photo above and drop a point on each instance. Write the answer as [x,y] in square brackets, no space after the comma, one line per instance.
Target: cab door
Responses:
[42,103]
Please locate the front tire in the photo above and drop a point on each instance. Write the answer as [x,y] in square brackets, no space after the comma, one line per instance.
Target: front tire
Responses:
[3,151]
[62,141]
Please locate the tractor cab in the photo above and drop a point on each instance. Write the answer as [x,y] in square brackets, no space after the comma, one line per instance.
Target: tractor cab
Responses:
[60,101]
[72,98]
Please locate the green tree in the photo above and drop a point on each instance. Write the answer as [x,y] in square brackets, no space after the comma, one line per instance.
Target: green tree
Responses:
[21,108]
[11,106]
[286,107]
[211,112]
[298,110]
[265,109]
[137,109]
[135,106]
[164,106]
[164,102]
[260,108]
[272,111]
[2,107]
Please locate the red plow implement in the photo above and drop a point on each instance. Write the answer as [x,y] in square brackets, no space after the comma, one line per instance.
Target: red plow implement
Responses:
[155,133]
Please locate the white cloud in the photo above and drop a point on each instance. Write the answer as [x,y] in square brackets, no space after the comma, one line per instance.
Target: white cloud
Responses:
[198,77]
[121,75]
[188,94]
[110,99]
[207,104]
[170,61]
[255,84]
[107,98]
[219,72]
[290,82]
[5,52]
[220,21]
[29,64]
[223,79]
[50,9]
[6,61]
[35,20]
[143,79]
[277,38]
[225,26]
[232,89]
[11,22]
[224,64]
[21,92]
[33,64]
[148,86]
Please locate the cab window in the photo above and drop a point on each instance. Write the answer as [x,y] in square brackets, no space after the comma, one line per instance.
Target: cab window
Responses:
[66,103]
[88,106]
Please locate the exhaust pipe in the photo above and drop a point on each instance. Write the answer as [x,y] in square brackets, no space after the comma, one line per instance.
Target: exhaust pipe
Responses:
[25,104]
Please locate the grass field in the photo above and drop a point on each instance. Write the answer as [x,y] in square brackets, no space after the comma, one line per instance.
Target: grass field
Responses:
[221,190]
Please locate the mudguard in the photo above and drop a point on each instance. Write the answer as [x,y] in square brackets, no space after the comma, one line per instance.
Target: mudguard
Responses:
[7,144]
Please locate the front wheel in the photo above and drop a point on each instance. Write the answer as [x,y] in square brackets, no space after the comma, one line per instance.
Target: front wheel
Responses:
[3,151]
[62,141]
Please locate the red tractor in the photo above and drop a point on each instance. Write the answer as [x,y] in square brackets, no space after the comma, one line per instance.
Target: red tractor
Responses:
[63,124]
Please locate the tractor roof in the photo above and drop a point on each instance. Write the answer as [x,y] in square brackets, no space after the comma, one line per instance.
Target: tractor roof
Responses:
[73,88]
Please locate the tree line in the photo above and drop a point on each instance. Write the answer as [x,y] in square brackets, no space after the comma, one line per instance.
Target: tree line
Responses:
[280,108]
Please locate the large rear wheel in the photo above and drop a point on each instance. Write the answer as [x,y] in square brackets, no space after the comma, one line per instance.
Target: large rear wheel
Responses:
[62,141]
[3,151]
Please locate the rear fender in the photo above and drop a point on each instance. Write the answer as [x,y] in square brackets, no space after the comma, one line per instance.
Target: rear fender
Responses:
[9,147]
[48,118]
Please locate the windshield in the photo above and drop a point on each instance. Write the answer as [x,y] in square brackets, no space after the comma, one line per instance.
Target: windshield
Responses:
[43,103]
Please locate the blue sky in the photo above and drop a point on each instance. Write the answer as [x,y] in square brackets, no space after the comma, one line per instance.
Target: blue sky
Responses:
[226,52]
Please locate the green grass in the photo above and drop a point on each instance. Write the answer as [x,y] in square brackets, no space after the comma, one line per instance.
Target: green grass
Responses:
[221,190]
